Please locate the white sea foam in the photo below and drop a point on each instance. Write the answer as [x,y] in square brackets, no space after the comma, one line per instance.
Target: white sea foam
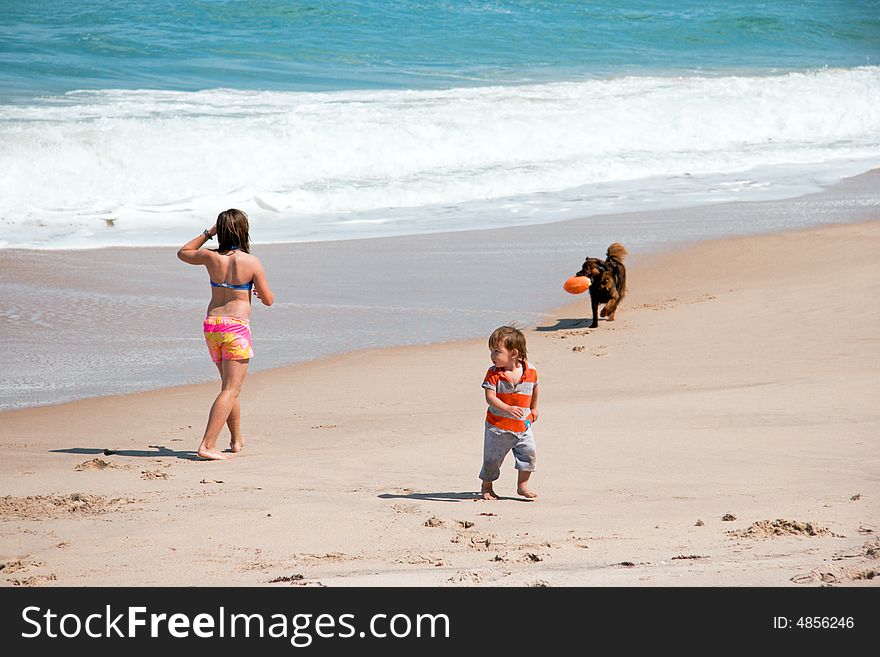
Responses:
[150,167]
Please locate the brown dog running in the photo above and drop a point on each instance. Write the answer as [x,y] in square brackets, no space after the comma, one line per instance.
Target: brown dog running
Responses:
[607,282]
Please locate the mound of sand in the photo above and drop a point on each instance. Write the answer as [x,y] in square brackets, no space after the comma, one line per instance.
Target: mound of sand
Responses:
[40,507]
[97,464]
[780,527]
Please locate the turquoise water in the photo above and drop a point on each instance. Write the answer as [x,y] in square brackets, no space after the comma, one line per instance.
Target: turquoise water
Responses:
[186,45]
[134,123]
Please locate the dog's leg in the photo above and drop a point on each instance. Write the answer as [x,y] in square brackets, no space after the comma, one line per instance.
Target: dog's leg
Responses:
[594,302]
[610,308]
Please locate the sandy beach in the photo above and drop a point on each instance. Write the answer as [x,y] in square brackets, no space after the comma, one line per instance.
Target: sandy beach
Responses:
[723,431]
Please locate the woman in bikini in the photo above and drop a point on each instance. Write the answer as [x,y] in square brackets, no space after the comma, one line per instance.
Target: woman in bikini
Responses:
[234,274]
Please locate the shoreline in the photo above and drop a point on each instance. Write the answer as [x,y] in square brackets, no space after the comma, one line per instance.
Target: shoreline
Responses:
[735,381]
[579,305]
[388,291]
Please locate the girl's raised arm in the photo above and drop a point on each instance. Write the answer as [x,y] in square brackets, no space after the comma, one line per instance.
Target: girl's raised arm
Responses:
[191,252]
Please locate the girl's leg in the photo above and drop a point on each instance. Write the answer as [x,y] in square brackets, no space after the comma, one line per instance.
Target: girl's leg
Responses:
[232,373]
[233,422]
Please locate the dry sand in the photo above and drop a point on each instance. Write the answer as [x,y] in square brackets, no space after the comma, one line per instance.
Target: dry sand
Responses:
[740,381]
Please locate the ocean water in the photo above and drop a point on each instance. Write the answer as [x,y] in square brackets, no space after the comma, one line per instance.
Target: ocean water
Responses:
[135,123]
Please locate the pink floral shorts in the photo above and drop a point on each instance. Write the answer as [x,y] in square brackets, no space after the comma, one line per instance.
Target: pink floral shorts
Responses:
[228,338]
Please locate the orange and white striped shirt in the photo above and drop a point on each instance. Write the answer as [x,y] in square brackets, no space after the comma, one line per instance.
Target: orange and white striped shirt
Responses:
[512,395]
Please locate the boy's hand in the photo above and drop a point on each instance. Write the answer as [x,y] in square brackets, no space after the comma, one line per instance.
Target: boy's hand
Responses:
[534,415]
[518,412]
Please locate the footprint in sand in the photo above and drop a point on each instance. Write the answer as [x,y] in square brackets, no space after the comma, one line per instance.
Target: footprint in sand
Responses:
[18,566]
[154,474]
[35,580]
[869,550]
[329,556]
[287,578]
[40,507]
[419,559]
[483,543]
[467,577]
[313,582]
[835,575]
[405,508]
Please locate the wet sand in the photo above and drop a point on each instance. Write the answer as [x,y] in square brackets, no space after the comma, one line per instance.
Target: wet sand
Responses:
[112,321]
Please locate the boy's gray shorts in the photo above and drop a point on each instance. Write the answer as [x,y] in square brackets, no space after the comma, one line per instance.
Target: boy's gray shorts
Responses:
[496,444]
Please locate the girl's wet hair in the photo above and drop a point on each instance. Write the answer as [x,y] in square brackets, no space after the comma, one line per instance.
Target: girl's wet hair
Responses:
[509,337]
[232,231]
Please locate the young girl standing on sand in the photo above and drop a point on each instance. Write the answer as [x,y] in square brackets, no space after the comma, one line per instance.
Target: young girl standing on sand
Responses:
[233,273]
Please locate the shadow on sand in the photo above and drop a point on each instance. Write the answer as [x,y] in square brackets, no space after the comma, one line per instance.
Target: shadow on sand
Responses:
[446,497]
[568,324]
[158,451]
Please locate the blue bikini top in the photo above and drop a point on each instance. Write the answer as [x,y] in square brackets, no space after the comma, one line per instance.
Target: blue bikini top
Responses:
[229,286]
[247,287]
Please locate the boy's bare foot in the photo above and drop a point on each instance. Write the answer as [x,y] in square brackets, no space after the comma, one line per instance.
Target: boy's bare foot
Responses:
[212,454]
[236,445]
[525,492]
[486,492]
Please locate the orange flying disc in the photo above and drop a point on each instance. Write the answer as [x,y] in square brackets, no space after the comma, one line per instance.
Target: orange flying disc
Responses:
[576,285]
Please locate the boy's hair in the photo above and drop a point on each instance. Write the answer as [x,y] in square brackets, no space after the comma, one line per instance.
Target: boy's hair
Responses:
[232,231]
[509,337]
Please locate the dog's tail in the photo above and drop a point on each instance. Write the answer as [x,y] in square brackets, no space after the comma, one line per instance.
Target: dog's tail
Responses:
[616,251]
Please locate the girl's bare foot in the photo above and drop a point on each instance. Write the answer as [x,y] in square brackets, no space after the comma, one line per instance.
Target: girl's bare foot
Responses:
[486,491]
[525,492]
[236,445]
[212,454]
